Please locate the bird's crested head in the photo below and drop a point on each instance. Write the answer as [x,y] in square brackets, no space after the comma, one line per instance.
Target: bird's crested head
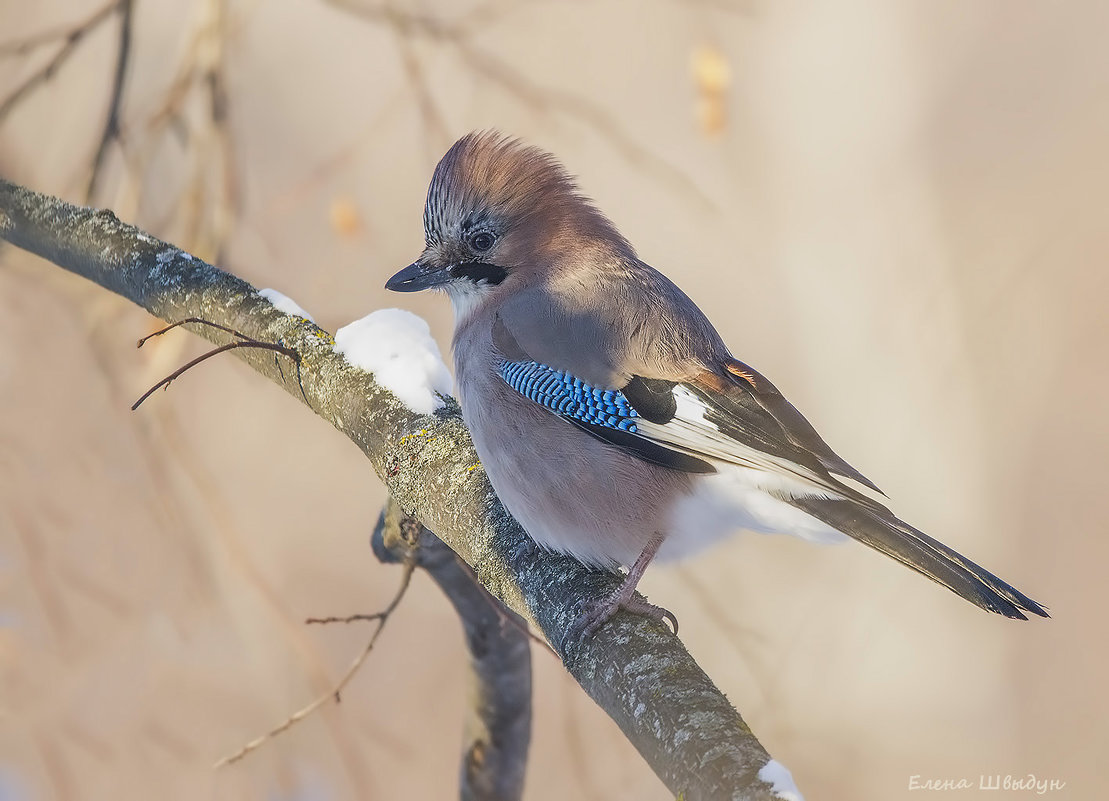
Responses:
[500,212]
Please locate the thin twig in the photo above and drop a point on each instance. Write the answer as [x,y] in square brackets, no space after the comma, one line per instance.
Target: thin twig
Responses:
[169,379]
[429,26]
[509,79]
[433,123]
[26,45]
[47,70]
[199,320]
[347,619]
[592,115]
[208,205]
[229,206]
[335,693]
[111,125]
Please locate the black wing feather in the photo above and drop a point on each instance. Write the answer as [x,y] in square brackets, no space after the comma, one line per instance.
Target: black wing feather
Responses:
[790,423]
[879,528]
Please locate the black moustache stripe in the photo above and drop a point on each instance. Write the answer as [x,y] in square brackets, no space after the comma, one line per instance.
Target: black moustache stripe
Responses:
[477,271]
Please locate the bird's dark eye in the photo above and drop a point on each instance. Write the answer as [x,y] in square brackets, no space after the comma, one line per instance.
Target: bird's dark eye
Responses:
[482,241]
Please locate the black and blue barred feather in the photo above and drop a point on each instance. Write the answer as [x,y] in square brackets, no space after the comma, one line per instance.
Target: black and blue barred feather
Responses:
[607,414]
[569,396]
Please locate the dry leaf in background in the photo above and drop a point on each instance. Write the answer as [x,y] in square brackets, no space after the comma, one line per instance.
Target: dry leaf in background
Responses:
[344,217]
[712,76]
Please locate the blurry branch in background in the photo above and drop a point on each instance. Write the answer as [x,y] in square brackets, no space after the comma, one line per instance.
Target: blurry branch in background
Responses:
[459,33]
[70,37]
[435,127]
[634,668]
[745,7]
[195,108]
[209,213]
[545,100]
[430,25]
[111,124]
[209,206]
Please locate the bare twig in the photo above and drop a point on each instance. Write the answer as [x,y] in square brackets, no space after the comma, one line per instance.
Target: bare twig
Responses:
[594,116]
[424,24]
[361,618]
[245,342]
[44,73]
[111,124]
[508,78]
[431,26]
[229,205]
[198,320]
[433,123]
[210,201]
[25,45]
[382,618]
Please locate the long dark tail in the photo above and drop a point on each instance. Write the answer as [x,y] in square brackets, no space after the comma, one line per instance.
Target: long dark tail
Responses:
[879,528]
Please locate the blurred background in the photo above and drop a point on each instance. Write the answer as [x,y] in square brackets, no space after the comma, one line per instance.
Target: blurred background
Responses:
[896,210]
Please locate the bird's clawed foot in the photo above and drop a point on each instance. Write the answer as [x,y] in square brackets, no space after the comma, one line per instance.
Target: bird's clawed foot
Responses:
[597,614]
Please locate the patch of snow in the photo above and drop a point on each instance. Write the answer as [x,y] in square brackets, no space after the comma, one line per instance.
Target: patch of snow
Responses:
[285,304]
[780,780]
[397,347]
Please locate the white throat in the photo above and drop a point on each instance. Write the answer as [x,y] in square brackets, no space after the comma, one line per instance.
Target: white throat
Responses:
[466,297]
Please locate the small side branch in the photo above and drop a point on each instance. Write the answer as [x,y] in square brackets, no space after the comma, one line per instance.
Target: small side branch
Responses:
[334,695]
[242,341]
[497,730]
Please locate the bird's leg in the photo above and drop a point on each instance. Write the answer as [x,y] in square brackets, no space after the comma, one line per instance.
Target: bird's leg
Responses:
[624,597]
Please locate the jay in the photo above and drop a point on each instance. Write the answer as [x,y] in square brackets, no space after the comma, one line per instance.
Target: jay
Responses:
[612,420]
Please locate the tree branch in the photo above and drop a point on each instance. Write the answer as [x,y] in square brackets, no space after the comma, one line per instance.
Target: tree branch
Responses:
[635,669]
[497,729]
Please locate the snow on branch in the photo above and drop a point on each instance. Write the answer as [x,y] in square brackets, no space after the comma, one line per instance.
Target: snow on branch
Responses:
[396,346]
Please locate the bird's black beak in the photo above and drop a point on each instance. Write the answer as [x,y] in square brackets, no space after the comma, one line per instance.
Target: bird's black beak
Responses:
[417,276]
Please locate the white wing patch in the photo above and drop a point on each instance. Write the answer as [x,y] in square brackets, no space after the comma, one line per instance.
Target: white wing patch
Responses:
[690,431]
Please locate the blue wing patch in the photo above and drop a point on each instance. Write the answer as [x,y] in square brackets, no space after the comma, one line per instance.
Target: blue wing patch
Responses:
[606,414]
[571,397]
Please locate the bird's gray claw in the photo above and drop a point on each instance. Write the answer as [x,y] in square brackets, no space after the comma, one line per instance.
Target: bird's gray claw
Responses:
[598,613]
